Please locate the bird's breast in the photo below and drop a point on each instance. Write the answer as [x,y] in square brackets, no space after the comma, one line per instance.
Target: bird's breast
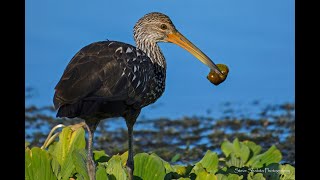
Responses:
[156,85]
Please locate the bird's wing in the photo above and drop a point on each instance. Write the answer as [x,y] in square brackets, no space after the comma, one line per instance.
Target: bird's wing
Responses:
[108,69]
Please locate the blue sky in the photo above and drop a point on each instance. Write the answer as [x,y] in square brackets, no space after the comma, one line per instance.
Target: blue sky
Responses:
[254,38]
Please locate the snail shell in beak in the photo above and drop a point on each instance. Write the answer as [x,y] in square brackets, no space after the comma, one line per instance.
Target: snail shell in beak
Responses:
[215,78]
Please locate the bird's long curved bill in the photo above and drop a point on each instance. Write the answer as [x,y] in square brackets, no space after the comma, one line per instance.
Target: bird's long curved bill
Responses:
[179,39]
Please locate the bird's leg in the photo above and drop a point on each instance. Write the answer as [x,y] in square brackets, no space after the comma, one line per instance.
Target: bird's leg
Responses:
[130,120]
[130,163]
[90,163]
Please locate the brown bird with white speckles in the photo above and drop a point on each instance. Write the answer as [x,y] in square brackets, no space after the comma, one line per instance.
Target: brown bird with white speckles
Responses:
[113,79]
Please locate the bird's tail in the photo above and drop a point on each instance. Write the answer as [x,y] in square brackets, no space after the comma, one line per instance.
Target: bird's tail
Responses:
[68,110]
[78,109]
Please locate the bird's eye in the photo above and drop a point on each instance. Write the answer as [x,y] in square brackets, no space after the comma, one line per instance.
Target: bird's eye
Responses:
[163,26]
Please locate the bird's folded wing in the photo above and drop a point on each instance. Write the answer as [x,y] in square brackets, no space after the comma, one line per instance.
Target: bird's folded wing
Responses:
[102,70]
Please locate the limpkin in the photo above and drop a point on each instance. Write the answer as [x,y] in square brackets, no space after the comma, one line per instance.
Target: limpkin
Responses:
[109,79]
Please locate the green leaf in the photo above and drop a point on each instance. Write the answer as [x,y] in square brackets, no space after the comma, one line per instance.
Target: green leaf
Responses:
[258,176]
[241,150]
[69,140]
[67,168]
[56,168]
[237,153]
[171,170]
[197,169]
[181,170]
[236,145]
[149,167]
[221,177]
[101,173]
[175,158]
[124,158]
[227,148]
[278,171]
[100,156]
[272,155]
[37,165]
[255,149]
[115,168]
[79,157]
[270,171]
[167,166]
[287,172]
[234,177]
[209,162]
[234,160]
[203,175]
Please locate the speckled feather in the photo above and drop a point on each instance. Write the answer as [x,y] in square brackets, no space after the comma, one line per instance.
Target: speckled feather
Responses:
[108,78]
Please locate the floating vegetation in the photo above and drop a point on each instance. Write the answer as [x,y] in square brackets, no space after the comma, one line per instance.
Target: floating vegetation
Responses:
[66,159]
[187,137]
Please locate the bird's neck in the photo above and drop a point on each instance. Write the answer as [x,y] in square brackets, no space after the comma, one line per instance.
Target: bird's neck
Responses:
[153,51]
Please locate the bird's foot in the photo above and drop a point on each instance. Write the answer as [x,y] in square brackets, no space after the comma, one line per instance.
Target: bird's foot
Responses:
[130,172]
[130,168]
[74,127]
[91,169]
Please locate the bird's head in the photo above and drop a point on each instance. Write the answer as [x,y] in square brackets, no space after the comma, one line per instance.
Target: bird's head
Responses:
[154,27]
[157,27]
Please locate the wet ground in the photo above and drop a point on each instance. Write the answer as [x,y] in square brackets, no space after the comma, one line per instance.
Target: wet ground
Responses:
[188,138]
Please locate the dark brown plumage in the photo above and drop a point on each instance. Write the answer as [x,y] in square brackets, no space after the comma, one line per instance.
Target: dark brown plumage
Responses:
[113,79]
[106,79]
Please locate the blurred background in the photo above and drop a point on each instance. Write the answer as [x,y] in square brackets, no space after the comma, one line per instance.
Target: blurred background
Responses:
[254,38]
